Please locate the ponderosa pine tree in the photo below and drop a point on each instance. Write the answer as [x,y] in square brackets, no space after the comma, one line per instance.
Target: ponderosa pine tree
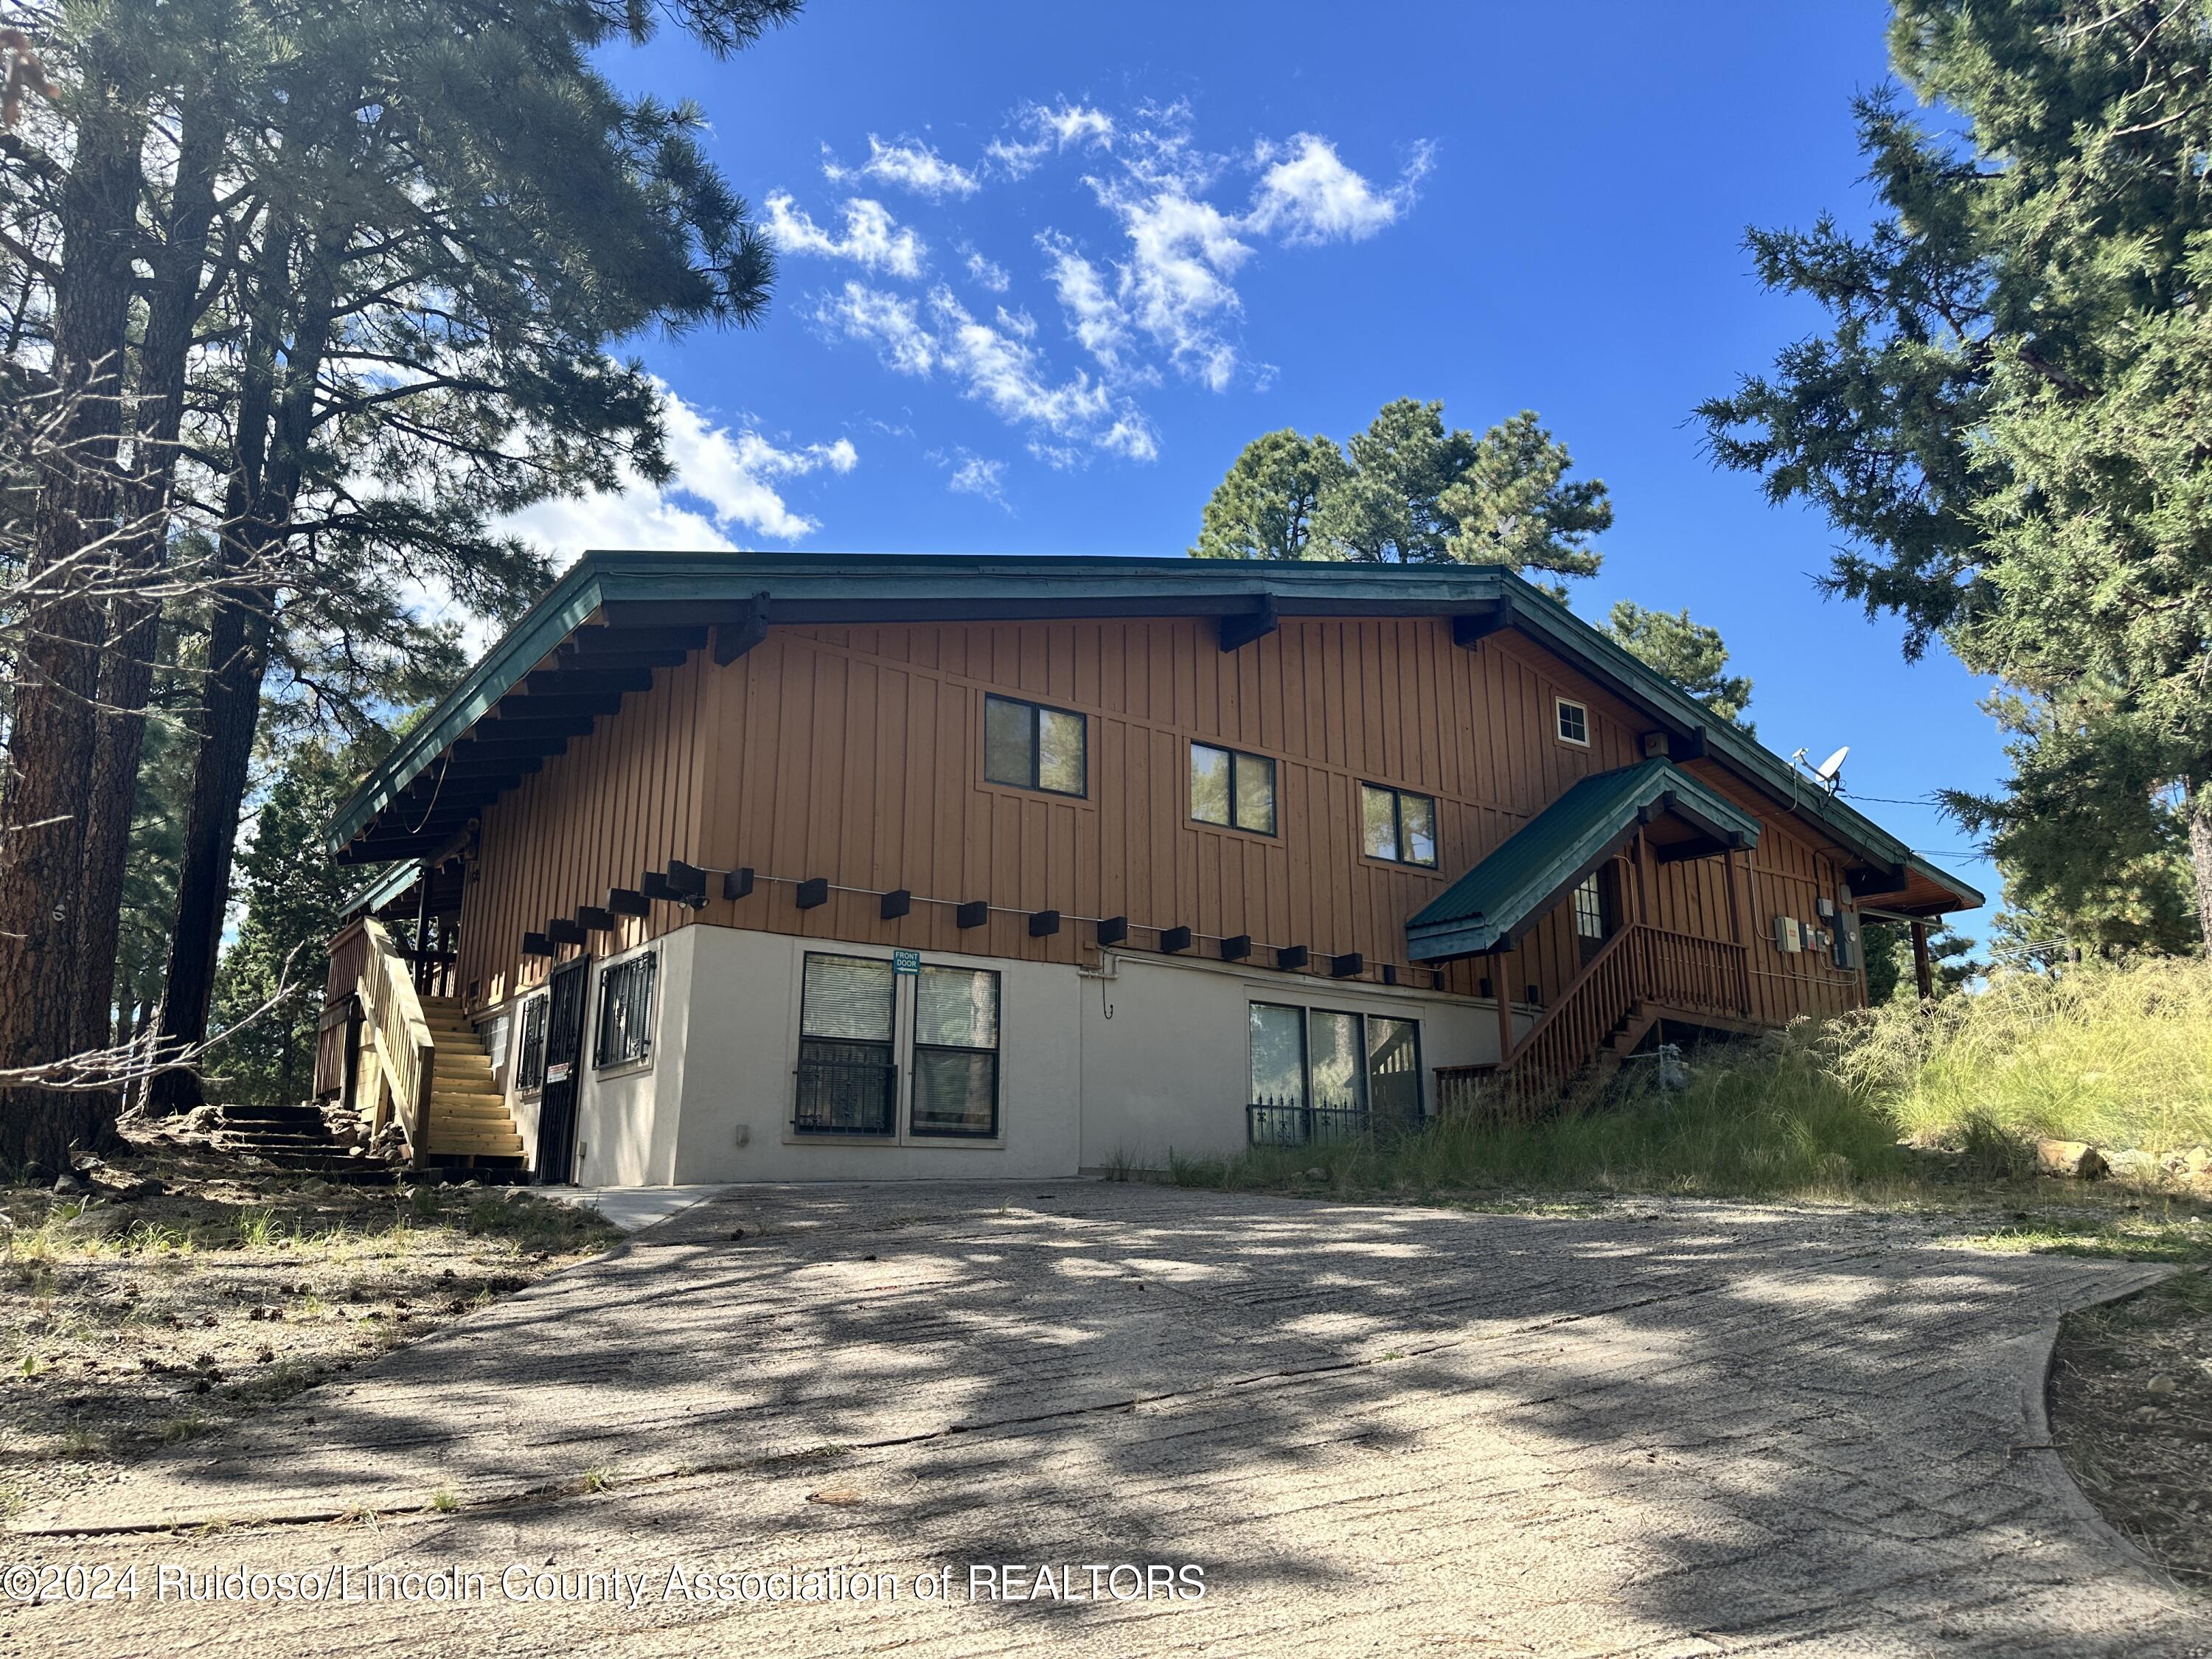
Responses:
[1406,489]
[432,222]
[1688,653]
[424,345]
[2007,415]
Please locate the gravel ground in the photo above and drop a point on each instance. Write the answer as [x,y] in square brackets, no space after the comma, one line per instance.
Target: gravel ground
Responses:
[1677,1428]
[129,1327]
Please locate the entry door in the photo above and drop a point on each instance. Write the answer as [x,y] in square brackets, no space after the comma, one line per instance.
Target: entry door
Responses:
[564,1072]
[1394,1072]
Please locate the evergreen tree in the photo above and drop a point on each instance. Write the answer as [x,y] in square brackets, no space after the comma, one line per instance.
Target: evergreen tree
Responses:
[1409,491]
[1688,653]
[294,895]
[2006,415]
[1265,508]
[1889,971]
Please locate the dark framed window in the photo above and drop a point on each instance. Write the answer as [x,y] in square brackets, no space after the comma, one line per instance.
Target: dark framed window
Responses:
[956,1052]
[1232,788]
[530,1064]
[1397,825]
[624,1032]
[1322,1074]
[1589,908]
[1031,746]
[1574,722]
[847,1079]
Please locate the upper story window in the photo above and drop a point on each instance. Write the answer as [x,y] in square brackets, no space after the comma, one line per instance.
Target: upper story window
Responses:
[1397,825]
[1228,786]
[1574,722]
[1033,747]
[625,1028]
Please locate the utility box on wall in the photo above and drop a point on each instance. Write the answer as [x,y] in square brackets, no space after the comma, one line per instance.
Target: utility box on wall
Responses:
[1789,935]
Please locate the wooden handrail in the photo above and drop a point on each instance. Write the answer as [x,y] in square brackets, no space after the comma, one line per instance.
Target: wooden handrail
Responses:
[1638,963]
[404,1059]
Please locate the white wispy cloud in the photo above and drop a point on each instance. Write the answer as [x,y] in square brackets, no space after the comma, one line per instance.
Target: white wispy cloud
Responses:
[910,165]
[725,487]
[873,238]
[988,273]
[1308,196]
[994,362]
[1049,128]
[1151,293]
[975,475]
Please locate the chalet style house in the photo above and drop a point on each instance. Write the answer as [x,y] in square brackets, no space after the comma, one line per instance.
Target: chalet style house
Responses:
[743,866]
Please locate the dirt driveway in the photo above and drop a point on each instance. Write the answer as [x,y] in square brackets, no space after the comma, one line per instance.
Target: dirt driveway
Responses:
[1678,1428]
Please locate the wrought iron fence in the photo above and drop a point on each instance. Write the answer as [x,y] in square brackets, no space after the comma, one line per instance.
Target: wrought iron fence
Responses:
[845,1097]
[1290,1123]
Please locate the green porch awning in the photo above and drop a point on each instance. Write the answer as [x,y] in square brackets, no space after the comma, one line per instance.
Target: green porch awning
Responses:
[1545,859]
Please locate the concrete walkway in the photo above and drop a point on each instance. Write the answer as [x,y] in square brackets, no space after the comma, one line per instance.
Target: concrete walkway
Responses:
[1658,1430]
[631,1207]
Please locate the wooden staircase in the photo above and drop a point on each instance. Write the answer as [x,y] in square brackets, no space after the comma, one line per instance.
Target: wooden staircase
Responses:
[468,1114]
[1642,975]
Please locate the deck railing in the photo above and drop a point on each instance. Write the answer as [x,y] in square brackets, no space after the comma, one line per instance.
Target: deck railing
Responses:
[399,1061]
[1638,964]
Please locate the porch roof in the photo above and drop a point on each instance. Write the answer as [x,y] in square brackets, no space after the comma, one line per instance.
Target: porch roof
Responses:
[1543,860]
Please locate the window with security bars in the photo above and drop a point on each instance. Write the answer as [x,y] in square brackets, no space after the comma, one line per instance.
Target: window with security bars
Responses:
[625,1026]
[956,1052]
[847,1082]
[530,1066]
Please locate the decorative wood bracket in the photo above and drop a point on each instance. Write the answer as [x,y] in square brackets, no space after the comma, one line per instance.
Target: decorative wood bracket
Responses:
[1471,628]
[1242,628]
[733,638]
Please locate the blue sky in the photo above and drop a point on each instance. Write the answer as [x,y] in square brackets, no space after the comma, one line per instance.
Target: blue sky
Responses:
[1046,269]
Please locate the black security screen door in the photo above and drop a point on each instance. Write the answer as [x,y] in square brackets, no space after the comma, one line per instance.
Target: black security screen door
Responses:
[564,1067]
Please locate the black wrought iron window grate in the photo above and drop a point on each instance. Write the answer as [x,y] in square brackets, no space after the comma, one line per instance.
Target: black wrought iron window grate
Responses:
[625,1027]
[530,1067]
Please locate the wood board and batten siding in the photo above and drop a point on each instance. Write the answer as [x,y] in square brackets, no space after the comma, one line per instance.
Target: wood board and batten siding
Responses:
[855,754]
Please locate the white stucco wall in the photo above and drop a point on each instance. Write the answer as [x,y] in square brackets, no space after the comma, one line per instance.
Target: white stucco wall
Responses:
[1122,1064]
[1170,1069]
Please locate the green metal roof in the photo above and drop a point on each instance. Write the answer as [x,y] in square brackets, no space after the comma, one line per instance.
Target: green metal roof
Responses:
[380,889]
[689,589]
[1545,859]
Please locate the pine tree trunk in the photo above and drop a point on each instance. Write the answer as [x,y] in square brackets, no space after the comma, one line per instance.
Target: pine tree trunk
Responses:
[258,512]
[238,659]
[53,732]
[135,622]
[2200,855]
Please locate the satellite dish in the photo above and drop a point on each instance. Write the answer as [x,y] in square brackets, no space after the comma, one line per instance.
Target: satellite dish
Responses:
[1827,769]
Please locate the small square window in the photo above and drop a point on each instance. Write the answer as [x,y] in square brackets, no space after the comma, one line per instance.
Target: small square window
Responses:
[1574,723]
[1232,788]
[1030,746]
[1397,825]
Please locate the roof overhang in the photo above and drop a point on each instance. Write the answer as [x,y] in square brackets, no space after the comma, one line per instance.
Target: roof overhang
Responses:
[1544,860]
[615,617]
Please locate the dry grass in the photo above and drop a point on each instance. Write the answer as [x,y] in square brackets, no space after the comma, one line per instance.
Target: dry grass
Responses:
[128,1327]
[1894,1109]
[2120,1057]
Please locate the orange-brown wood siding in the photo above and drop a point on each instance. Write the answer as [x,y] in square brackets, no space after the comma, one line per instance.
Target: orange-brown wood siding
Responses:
[855,754]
